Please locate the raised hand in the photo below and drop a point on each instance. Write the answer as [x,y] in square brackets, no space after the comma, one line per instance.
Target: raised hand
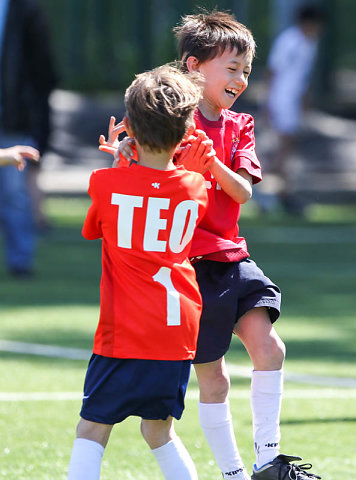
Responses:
[124,152]
[196,152]
[111,144]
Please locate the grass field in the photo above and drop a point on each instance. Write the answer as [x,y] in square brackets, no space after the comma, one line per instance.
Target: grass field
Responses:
[313,261]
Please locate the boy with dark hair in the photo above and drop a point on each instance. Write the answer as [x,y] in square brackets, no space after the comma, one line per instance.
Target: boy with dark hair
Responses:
[221,50]
[237,296]
[150,303]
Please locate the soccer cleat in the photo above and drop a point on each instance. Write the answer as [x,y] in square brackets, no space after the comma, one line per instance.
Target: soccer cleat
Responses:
[281,469]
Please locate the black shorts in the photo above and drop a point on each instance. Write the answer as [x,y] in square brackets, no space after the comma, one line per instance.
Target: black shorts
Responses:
[230,290]
[116,388]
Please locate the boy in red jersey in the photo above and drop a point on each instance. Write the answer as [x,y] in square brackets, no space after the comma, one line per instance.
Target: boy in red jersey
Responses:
[150,303]
[237,296]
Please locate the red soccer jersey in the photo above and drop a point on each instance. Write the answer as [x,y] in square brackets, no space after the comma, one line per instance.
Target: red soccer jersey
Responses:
[150,303]
[234,143]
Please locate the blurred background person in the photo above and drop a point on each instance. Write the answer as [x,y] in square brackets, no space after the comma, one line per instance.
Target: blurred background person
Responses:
[289,66]
[17,155]
[26,80]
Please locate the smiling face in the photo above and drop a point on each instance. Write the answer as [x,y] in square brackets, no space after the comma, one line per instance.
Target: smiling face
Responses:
[226,77]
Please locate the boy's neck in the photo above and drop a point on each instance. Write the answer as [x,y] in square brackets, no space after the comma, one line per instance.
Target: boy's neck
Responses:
[158,160]
[209,111]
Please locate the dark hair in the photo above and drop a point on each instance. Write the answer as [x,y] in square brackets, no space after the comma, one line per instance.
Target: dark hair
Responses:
[205,35]
[160,105]
[310,13]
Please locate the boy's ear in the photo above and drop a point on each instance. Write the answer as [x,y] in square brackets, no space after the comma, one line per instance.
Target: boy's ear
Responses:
[192,64]
[128,127]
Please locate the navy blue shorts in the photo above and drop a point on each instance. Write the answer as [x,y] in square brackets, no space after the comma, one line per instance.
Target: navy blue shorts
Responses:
[117,388]
[229,290]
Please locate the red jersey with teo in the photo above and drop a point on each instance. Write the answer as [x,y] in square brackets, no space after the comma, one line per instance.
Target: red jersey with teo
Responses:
[217,237]
[150,301]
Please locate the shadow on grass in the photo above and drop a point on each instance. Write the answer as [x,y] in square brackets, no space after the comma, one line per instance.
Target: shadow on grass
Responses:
[67,272]
[325,350]
[58,336]
[305,421]
[37,360]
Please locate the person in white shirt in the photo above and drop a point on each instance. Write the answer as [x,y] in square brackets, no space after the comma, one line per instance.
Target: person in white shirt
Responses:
[290,63]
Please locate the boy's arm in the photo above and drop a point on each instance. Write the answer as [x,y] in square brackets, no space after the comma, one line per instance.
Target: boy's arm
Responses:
[238,185]
[17,155]
[92,229]
[245,169]
[92,226]
[199,156]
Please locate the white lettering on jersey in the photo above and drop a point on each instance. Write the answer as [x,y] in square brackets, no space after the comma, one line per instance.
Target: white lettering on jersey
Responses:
[163,276]
[184,220]
[209,183]
[127,204]
[154,224]
[177,242]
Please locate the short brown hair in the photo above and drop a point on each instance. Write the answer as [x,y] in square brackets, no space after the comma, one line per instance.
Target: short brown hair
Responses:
[206,35]
[160,105]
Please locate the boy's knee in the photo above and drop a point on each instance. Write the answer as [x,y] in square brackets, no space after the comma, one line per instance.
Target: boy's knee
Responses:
[97,432]
[214,388]
[278,351]
[157,432]
[272,355]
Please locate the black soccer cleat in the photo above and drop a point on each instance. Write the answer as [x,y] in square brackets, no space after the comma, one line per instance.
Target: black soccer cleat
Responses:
[281,469]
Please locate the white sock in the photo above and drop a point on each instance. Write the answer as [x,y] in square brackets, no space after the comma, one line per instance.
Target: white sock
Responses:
[85,461]
[175,461]
[266,398]
[216,423]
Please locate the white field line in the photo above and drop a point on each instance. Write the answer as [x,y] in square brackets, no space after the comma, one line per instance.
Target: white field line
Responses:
[192,394]
[41,350]
[234,370]
[325,381]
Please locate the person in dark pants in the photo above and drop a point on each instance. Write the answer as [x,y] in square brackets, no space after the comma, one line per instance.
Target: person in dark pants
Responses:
[26,80]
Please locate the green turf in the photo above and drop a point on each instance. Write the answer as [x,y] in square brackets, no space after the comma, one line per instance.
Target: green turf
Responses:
[314,262]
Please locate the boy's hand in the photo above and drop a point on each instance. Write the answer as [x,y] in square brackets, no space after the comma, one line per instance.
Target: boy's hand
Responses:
[110,145]
[16,156]
[196,152]
[124,152]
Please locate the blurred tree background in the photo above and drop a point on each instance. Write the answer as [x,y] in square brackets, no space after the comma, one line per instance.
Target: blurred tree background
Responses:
[100,44]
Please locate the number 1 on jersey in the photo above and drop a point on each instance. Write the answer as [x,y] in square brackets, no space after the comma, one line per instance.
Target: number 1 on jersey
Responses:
[163,276]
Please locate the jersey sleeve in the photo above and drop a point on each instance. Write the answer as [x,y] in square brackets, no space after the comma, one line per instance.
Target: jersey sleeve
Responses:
[92,226]
[245,156]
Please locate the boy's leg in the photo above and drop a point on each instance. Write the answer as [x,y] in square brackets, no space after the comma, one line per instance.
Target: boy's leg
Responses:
[88,449]
[215,418]
[170,453]
[267,352]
